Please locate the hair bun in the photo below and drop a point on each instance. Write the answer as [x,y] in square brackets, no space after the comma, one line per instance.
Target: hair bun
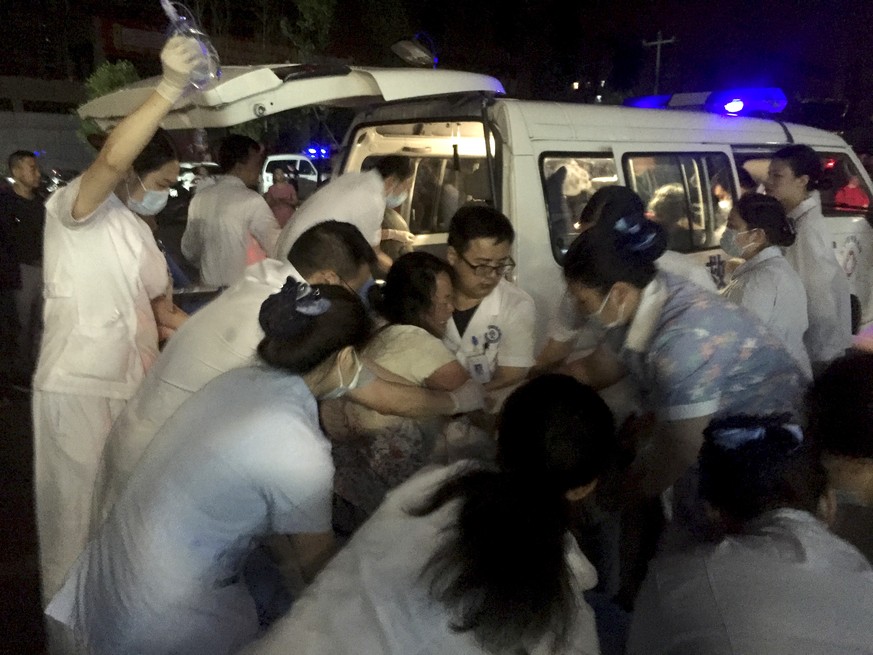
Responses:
[290,311]
[636,236]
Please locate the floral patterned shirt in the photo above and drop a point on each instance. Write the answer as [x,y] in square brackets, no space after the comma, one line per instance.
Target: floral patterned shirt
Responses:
[695,354]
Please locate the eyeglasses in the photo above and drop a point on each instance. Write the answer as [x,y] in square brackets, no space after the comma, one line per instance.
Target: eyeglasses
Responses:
[486,270]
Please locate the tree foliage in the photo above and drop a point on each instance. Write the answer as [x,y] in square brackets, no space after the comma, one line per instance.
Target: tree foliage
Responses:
[107,78]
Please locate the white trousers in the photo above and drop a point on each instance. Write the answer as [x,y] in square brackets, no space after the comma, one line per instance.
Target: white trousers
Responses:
[69,432]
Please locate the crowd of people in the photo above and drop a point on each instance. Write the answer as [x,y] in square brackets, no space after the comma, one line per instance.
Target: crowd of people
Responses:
[317,462]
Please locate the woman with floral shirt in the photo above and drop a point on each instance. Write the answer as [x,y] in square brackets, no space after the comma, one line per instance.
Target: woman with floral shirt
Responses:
[693,355]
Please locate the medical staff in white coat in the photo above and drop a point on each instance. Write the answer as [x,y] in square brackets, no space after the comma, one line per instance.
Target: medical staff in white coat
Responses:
[569,330]
[229,218]
[472,558]
[778,582]
[106,286]
[492,328]
[793,177]
[225,334]
[242,459]
[359,198]
[765,284]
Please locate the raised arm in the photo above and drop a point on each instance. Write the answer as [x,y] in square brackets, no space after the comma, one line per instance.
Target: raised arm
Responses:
[128,139]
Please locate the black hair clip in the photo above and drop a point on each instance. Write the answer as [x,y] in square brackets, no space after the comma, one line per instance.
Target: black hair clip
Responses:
[733,438]
[288,312]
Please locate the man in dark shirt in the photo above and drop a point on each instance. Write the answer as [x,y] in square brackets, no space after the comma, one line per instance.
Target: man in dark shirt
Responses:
[23,217]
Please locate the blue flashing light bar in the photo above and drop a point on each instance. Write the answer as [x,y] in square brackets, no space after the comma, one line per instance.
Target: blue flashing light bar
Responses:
[733,102]
[317,151]
[767,100]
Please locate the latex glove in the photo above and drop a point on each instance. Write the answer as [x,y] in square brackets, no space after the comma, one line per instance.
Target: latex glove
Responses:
[390,234]
[180,56]
[468,397]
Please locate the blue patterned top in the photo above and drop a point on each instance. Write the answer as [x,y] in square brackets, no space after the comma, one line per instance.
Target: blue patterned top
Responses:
[695,354]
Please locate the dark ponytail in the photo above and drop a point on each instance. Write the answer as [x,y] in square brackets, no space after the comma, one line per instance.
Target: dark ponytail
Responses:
[501,569]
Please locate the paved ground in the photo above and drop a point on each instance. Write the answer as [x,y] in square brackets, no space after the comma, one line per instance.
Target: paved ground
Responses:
[20,614]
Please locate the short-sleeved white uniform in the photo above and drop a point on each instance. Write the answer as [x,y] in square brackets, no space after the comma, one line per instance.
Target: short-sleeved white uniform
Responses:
[242,459]
[356,198]
[100,336]
[222,336]
[500,333]
[371,599]
[222,219]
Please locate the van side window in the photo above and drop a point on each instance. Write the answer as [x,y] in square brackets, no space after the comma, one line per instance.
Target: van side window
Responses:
[843,188]
[569,180]
[689,194]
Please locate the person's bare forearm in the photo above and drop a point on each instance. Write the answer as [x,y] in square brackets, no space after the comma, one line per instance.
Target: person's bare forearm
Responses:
[506,376]
[402,400]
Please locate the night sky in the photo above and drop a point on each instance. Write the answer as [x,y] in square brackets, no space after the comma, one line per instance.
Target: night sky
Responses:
[812,48]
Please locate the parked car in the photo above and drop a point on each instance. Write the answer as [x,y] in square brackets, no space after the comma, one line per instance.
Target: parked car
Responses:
[299,168]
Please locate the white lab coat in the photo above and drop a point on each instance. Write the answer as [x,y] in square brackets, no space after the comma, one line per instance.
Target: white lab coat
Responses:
[783,587]
[356,198]
[242,459]
[827,287]
[222,219]
[370,598]
[768,287]
[100,337]
[500,333]
[222,336]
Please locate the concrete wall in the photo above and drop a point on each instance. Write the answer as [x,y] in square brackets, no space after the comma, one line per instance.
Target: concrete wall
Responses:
[51,136]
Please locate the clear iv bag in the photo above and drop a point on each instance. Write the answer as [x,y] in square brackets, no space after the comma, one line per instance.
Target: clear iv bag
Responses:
[182,23]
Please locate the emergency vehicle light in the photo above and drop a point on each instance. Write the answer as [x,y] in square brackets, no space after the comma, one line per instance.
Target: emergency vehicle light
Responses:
[753,100]
[316,151]
[767,100]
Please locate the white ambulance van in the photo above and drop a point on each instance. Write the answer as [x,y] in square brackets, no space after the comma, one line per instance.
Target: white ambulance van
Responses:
[538,162]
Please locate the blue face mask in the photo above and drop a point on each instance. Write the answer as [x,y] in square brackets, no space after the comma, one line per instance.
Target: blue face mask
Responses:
[152,202]
[396,199]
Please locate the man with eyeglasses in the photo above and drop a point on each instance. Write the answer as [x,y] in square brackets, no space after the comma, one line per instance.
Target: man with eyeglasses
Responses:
[492,329]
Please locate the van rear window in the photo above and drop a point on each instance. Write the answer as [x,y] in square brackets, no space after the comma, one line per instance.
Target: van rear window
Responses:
[569,181]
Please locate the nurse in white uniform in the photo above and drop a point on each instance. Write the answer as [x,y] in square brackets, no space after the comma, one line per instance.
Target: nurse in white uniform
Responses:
[765,283]
[471,558]
[242,459]
[492,329]
[793,177]
[778,582]
[106,285]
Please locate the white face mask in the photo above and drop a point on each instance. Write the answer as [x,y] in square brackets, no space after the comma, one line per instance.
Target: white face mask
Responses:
[152,201]
[394,200]
[730,245]
[343,388]
[597,319]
